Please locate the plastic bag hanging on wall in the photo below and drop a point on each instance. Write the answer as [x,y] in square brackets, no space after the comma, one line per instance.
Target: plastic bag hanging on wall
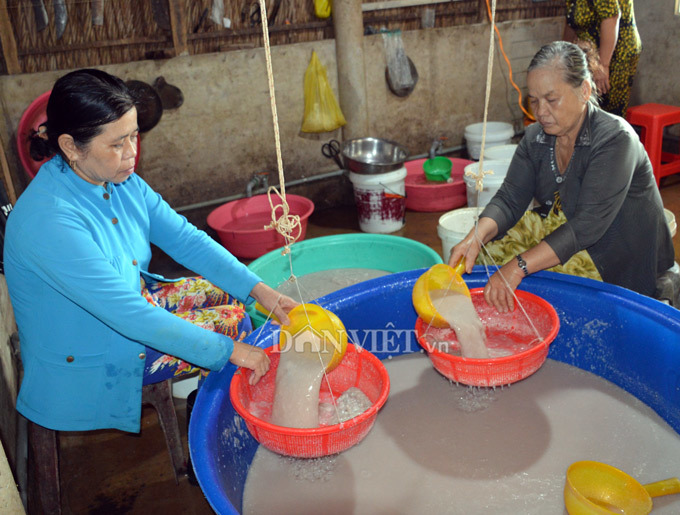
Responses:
[322,8]
[401,74]
[322,112]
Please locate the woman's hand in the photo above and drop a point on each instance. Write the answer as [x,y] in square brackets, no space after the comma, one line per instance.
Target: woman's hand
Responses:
[469,249]
[249,356]
[601,78]
[499,294]
[274,302]
[471,245]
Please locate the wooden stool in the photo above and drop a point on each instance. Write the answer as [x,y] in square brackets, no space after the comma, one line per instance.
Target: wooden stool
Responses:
[652,118]
[44,448]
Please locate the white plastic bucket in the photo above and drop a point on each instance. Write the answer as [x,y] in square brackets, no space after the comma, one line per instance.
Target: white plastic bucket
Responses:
[501,152]
[183,386]
[497,133]
[380,200]
[491,182]
[454,226]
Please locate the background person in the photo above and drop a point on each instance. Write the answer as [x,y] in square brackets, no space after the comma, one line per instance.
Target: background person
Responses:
[610,26]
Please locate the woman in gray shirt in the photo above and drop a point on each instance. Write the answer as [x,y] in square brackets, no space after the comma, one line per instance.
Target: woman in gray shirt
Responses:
[590,167]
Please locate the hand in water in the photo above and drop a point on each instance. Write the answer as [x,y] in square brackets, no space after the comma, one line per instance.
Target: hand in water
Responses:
[496,291]
[251,357]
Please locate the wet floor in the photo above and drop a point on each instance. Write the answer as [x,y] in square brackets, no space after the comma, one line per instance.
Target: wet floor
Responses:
[111,472]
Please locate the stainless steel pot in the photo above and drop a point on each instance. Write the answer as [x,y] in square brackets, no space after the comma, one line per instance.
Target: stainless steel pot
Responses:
[372,155]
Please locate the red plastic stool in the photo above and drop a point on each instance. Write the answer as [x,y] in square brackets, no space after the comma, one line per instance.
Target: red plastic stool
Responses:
[652,118]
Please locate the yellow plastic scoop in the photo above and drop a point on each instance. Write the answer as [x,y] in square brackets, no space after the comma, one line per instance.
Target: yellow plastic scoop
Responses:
[438,277]
[594,488]
[316,333]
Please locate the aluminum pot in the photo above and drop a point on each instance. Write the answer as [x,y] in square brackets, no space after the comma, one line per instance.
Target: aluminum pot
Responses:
[372,155]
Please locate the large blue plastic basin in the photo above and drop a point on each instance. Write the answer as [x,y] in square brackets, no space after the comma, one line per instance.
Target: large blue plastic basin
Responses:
[631,340]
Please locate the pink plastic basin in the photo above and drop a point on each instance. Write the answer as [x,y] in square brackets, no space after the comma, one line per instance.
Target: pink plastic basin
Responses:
[240,224]
[424,195]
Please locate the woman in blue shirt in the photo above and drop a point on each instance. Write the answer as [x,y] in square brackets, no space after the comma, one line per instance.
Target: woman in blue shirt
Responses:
[77,246]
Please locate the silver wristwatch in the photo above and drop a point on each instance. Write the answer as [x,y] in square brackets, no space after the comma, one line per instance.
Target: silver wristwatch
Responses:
[522,264]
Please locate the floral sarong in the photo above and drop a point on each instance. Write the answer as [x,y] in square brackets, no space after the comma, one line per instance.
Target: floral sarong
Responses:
[528,233]
[201,303]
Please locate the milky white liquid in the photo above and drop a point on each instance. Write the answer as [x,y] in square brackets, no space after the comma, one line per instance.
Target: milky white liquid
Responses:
[438,448]
[296,398]
[299,375]
[459,312]
[318,284]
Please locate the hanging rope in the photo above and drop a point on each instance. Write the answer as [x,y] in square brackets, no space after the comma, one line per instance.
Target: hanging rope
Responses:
[285,224]
[479,176]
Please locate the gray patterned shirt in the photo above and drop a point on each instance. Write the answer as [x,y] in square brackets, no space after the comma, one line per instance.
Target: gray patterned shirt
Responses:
[608,194]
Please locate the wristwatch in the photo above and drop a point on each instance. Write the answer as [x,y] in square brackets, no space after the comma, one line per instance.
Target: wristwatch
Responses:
[522,264]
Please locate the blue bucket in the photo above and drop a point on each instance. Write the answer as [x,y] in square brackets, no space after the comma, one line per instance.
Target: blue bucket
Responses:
[631,340]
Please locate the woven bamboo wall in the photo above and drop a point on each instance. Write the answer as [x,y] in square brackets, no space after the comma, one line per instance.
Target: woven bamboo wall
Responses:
[153,29]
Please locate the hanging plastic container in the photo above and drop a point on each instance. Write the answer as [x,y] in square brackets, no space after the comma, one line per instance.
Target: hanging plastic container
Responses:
[359,368]
[517,328]
[380,200]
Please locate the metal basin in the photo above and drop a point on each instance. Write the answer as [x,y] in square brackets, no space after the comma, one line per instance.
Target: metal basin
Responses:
[372,155]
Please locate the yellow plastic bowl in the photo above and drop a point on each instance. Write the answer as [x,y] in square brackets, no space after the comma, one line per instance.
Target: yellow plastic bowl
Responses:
[438,277]
[594,488]
[315,331]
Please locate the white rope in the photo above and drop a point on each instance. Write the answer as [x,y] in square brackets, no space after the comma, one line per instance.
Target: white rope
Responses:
[286,224]
[479,176]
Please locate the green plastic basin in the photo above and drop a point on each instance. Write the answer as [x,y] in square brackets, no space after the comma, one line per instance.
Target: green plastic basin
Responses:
[357,250]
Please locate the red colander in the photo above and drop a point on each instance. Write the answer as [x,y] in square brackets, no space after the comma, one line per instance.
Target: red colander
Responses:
[359,368]
[513,328]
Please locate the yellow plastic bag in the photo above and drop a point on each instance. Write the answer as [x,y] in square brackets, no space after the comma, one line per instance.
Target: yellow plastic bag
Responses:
[322,8]
[322,112]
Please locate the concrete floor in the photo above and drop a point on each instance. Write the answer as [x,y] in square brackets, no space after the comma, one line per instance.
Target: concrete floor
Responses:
[106,472]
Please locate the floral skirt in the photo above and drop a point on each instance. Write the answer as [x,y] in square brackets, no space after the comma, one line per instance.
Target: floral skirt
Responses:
[201,303]
[528,233]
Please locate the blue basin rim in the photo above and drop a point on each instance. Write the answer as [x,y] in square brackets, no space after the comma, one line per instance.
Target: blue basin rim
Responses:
[626,338]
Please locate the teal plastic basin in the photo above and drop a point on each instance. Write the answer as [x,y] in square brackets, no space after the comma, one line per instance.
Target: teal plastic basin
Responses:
[357,250]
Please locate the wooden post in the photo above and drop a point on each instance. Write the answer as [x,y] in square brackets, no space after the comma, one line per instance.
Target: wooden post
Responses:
[7,176]
[349,49]
[9,44]
[179,26]
[482,14]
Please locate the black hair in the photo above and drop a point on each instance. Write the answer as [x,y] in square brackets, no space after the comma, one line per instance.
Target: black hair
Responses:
[80,103]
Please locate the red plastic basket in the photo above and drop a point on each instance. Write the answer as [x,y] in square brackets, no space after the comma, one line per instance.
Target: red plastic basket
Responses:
[512,326]
[358,368]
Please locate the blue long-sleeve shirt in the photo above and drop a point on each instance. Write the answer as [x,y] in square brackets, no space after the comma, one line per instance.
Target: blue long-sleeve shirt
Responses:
[74,252]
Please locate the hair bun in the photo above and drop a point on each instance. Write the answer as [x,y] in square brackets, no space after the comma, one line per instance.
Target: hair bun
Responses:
[39,145]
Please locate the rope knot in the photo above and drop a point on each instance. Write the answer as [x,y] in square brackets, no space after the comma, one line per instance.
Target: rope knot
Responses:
[285,224]
[479,176]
